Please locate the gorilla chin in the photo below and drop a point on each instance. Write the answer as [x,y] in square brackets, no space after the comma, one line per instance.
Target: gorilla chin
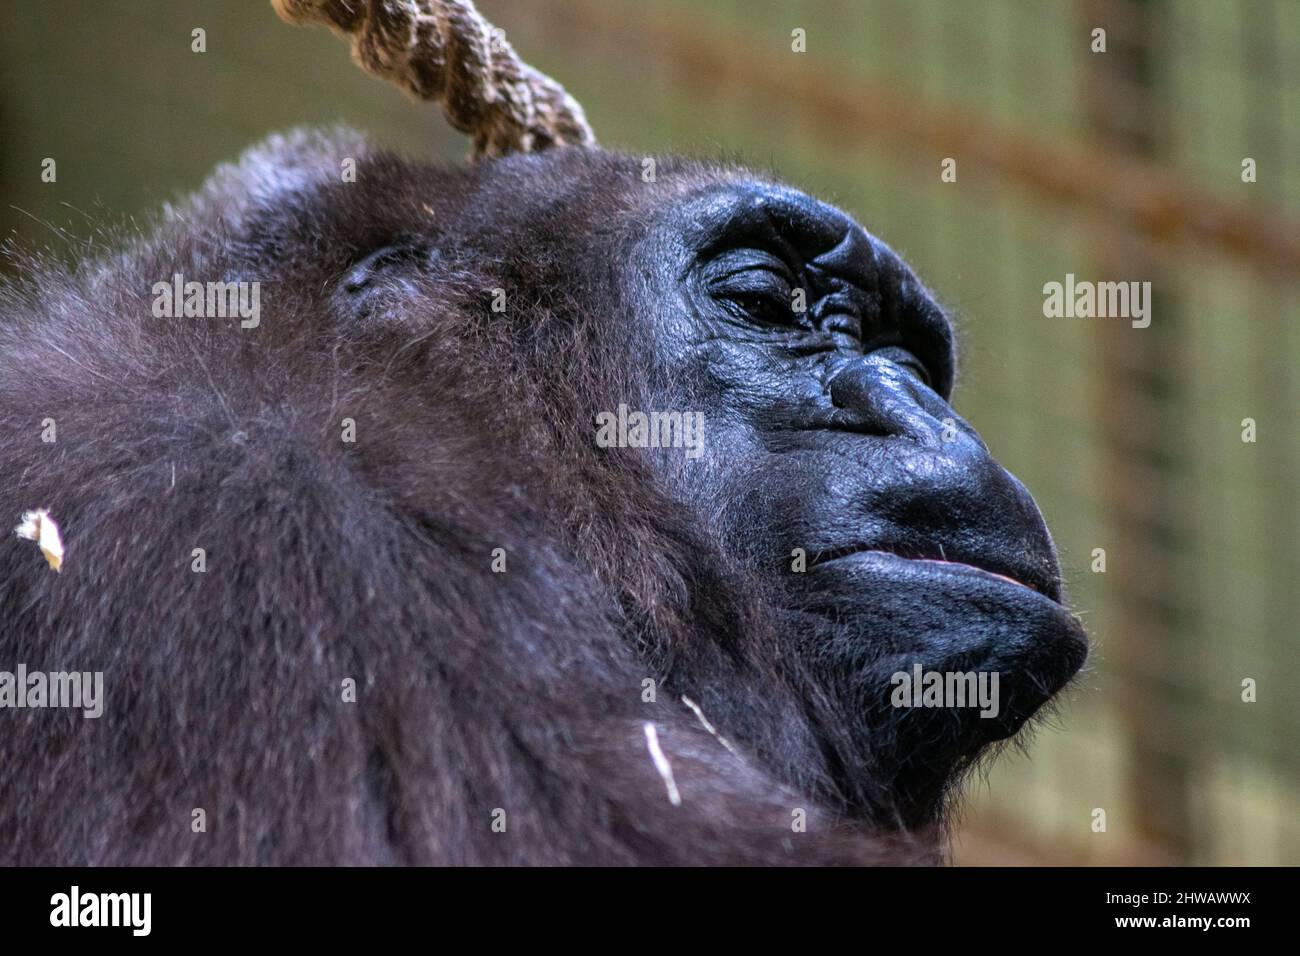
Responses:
[1040,642]
[437,621]
[945,618]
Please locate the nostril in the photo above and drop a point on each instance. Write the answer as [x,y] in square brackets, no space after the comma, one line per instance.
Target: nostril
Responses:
[867,381]
[864,403]
[875,397]
[850,388]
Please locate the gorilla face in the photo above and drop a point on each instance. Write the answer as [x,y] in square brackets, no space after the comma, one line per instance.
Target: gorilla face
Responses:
[835,467]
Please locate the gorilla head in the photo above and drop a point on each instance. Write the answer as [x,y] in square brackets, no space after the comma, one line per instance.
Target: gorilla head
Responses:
[830,432]
[562,649]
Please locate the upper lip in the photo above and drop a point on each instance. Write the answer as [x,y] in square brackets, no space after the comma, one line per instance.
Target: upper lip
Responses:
[1037,576]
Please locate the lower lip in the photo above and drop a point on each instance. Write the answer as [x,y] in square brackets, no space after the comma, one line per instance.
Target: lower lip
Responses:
[983,571]
[953,567]
[890,577]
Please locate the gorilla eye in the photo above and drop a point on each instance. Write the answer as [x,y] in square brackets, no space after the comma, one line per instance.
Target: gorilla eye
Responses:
[765,306]
[756,285]
[902,357]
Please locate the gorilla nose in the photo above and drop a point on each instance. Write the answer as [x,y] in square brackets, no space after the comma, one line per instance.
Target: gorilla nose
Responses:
[877,396]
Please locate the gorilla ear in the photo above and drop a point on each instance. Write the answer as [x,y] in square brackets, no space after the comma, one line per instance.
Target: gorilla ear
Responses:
[391,260]
[384,279]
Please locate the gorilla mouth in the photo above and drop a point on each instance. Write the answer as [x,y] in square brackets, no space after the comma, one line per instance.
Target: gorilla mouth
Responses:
[974,567]
[1044,582]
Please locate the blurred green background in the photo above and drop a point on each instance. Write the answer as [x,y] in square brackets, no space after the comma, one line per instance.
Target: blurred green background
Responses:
[1123,165]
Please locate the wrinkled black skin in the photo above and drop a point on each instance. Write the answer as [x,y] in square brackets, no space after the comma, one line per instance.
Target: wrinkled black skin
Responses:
[475,430]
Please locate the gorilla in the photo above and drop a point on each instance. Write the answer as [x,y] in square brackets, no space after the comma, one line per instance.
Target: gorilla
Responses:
[365,588]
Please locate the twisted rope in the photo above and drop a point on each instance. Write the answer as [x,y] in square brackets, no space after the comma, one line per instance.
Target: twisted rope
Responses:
[444,50]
